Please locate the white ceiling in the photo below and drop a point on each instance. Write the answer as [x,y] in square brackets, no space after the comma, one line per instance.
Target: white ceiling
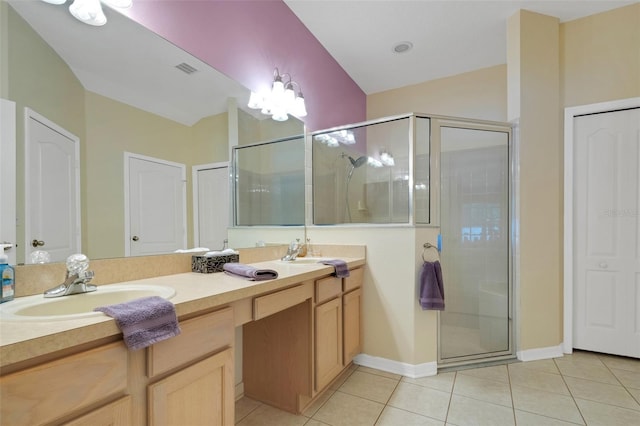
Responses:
[449,37]
[124,61]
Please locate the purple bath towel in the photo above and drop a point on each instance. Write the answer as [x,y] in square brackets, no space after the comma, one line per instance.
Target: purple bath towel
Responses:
[247,272]
[431,286]
[340,266]
[144,321]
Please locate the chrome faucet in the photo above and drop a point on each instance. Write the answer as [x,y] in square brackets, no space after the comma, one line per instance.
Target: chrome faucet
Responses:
[292,251]
[76,280]
[73,284]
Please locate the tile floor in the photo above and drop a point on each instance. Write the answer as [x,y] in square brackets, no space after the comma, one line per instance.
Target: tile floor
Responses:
[584,388]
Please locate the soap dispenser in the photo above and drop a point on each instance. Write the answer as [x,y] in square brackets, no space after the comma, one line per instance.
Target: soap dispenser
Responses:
[8,287]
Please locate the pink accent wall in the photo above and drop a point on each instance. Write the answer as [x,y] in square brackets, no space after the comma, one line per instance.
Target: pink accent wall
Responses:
[247,39]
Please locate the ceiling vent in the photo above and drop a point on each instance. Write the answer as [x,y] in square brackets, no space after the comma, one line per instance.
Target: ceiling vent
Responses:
[186,68]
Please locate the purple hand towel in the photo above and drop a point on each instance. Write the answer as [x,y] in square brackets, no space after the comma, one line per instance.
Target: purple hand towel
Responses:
[144,321]
[247,272]
[340,267]
[431,286]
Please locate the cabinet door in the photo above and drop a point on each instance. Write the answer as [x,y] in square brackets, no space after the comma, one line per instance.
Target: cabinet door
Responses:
[202,394]
[328,343]
[117,413]
[351,308]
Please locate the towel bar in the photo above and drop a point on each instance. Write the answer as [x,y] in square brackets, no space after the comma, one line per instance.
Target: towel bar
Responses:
[428,246]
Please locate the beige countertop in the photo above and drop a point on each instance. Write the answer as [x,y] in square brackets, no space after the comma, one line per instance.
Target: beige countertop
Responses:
[24,340]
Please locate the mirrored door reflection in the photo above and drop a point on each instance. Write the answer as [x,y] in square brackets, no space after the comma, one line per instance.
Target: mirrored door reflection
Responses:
[475,244]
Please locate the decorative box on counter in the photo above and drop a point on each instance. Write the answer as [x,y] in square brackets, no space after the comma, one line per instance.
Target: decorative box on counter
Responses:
[210,264]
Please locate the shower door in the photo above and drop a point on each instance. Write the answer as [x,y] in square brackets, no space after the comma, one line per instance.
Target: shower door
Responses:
[474,219]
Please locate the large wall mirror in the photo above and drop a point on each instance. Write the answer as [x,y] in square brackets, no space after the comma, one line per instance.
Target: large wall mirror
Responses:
[124,92]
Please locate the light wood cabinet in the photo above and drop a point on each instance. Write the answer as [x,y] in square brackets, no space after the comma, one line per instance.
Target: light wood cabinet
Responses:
[117,413]
[352,334]
[301,340]
[202,394]
[328,342]
[186,380]
[337,325]
[54,390]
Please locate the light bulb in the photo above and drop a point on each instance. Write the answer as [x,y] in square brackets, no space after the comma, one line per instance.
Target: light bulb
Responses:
[277,91]
[289,98]
[279,114]
[299,109]
[255,101]
[88,11]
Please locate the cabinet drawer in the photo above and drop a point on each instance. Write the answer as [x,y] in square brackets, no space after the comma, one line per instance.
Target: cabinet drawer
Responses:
[200,336]
[354,280]
[328,288]
[117,413]
[40,394]
[264,306]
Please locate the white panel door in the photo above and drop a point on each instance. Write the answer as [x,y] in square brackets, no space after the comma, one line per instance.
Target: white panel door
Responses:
[607,233]
[211,205]
[8,179]
[52,189]
[156,204]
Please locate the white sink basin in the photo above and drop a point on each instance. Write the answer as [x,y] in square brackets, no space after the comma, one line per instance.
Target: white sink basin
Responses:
[39,308]
[304,260]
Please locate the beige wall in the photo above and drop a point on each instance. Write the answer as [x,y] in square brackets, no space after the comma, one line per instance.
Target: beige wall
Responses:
[4,49]
[534,99]
[600,57]
[211,139]
[480,94]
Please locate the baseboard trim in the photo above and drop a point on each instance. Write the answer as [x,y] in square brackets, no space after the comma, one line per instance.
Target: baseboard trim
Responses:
[413,371]
[540,353]
[239,390]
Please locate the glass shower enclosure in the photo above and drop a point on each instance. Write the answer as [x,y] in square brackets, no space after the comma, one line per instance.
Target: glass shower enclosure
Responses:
[372,173]
[475,228]
[442,172]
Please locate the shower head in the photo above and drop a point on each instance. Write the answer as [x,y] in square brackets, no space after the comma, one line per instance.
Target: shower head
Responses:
[359,162]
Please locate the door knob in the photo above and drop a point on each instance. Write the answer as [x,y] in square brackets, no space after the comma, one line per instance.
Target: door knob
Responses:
[603,265]
[6,245]
[37,243]
[135,238]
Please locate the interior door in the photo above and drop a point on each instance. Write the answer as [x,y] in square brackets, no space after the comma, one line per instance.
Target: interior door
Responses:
[8,179]
[211,205]
[155,206]
[52,189]
[607,232]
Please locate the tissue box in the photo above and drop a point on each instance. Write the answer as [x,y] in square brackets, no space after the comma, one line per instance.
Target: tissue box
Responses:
[207,265]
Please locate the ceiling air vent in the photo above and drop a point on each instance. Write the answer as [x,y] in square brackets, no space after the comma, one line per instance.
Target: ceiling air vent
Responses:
[186,68]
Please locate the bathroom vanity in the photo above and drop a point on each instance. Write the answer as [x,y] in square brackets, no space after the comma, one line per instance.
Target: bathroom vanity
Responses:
[301,331]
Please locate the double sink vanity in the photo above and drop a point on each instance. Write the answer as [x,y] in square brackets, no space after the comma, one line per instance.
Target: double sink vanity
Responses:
[70,365]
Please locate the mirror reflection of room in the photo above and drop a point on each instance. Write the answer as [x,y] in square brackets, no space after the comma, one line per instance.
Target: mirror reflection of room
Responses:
[148,140]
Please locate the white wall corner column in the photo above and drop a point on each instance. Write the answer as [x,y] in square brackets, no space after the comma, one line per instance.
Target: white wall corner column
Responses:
[533,95]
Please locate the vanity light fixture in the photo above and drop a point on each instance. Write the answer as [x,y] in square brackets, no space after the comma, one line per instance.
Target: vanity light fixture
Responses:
[90,11]
[281,101]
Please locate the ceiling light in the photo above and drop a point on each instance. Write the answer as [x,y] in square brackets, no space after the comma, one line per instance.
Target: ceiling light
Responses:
[402,47]
[90,11]
[281,101]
